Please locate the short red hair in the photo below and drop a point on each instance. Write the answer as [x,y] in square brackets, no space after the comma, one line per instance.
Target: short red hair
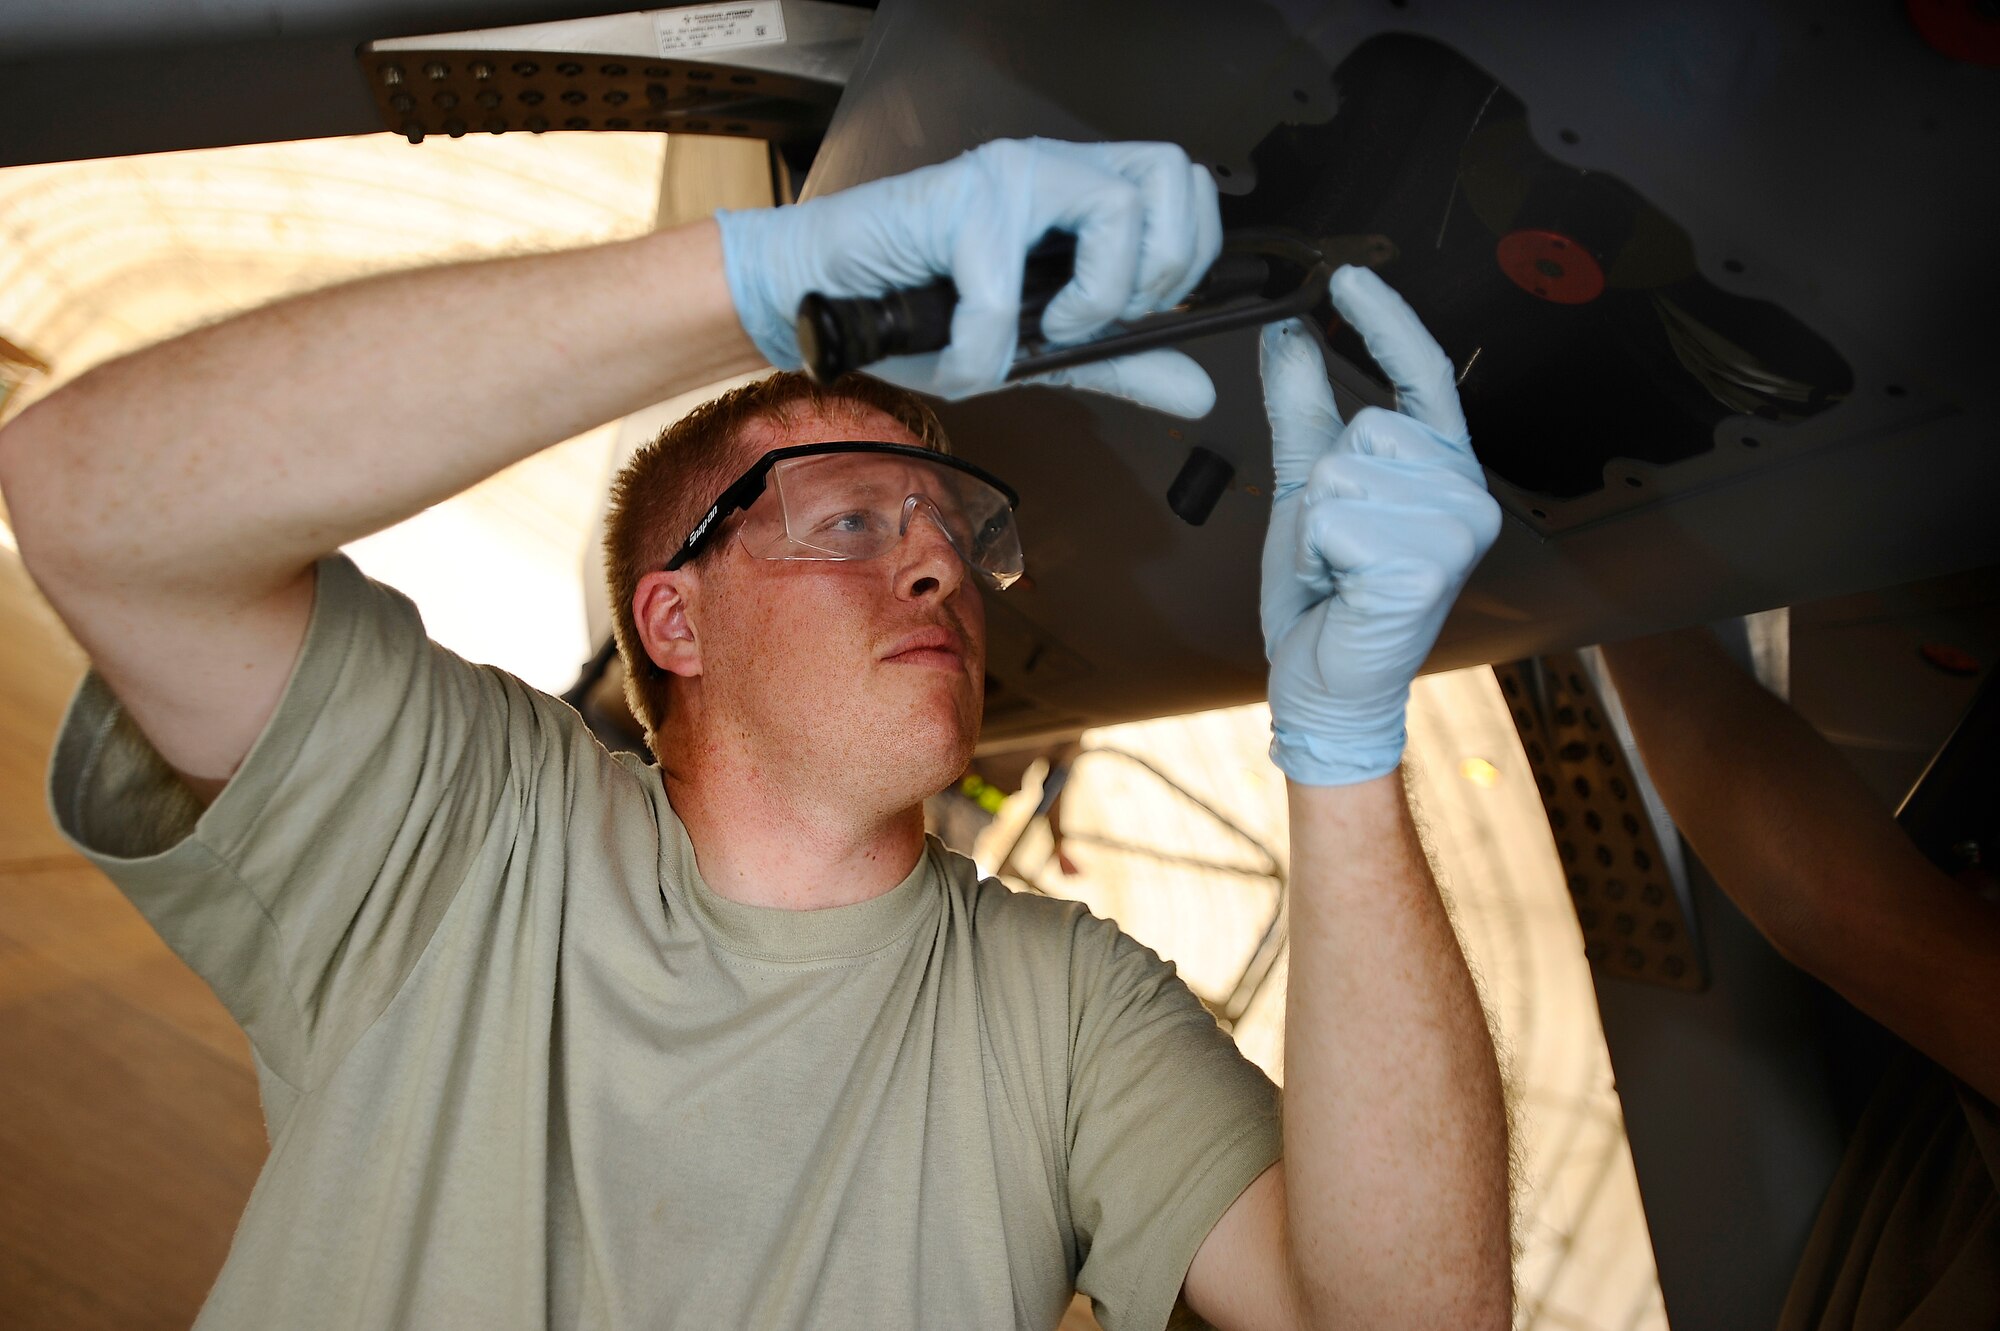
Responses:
[663,491]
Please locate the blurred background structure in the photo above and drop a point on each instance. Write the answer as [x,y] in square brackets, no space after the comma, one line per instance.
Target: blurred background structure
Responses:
[129,1129]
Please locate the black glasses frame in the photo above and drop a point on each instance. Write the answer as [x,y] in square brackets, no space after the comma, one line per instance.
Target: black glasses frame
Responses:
[743,491]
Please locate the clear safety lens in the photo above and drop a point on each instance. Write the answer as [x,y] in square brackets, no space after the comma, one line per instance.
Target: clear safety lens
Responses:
[860,505]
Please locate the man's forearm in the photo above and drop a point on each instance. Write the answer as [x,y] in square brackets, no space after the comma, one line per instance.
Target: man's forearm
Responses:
[1396,1164]
[1809,854]
[237,454]
[1694,713]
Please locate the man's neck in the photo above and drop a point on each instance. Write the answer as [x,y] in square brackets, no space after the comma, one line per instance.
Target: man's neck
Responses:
[764,846]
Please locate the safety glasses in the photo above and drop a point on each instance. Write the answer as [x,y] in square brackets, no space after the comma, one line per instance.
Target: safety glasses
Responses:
[855,499]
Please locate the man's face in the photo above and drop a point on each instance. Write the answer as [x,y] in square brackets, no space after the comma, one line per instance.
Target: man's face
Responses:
[867,675]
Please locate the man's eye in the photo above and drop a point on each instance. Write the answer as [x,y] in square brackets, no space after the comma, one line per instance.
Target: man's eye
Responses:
[990,533]
[855,520]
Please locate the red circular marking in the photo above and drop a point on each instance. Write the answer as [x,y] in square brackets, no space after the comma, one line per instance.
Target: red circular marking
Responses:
[1952,660]
[1551,266]
[1961,29]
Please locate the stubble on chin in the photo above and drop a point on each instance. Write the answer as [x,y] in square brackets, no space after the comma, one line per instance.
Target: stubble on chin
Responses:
[928,744]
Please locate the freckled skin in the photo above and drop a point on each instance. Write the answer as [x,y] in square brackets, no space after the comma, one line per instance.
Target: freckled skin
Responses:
[794,750]
[791,656]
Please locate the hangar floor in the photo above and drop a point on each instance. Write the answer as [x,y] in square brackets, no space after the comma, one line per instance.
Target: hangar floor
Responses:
[129,1130]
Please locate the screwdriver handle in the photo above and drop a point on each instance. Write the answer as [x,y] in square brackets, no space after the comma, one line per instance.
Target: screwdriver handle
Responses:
[838,334]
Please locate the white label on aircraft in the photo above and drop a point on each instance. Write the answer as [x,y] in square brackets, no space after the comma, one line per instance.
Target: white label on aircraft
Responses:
[714,27]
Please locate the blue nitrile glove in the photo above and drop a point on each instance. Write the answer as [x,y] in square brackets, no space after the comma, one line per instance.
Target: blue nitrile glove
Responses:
[1147,229]
[1375,526]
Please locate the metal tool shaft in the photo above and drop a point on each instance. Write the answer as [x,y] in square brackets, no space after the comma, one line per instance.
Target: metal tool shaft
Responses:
[1261,275]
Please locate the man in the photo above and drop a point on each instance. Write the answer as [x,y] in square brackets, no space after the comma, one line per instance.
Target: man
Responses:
[1908,1236]
[551,1039]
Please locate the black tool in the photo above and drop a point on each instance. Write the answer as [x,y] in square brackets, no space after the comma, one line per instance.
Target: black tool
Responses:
[1263,274]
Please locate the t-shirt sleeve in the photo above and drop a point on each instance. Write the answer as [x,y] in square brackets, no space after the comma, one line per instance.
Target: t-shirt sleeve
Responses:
[306,892]
[1168,1123]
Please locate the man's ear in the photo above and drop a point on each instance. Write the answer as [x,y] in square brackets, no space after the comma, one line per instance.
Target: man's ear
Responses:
[660,607]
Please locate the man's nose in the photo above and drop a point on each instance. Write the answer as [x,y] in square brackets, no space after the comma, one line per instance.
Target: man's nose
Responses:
[927,562]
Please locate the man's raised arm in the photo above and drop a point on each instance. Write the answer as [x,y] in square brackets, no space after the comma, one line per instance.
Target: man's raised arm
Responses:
[1810,855]
[171,504]
[1390,1207]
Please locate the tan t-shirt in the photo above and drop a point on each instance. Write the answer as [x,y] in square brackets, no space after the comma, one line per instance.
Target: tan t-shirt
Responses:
[522,1068]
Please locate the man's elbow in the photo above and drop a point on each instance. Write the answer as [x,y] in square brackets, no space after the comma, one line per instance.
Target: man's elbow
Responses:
[18,448]
[35,489]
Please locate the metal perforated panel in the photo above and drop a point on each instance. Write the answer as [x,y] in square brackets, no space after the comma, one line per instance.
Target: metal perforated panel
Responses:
[1620,879]
[775,73]
[494,92]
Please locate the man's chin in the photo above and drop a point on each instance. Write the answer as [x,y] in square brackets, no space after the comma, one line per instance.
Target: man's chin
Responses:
[926,742]
[935,757]
[945,709]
